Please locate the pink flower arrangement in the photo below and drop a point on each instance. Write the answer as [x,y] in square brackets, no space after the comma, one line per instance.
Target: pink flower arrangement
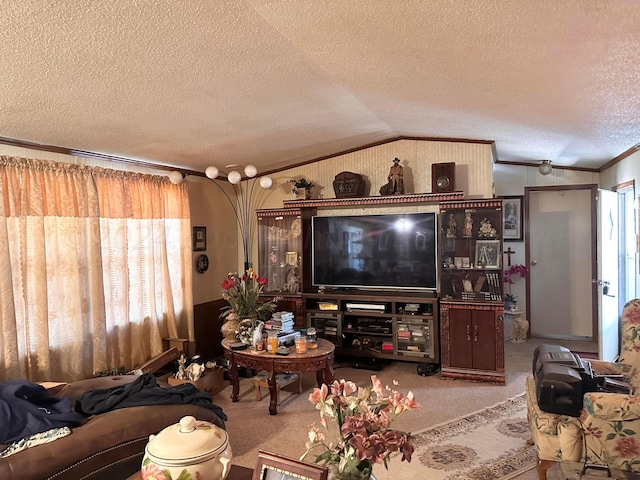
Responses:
[364,417]
[517,271]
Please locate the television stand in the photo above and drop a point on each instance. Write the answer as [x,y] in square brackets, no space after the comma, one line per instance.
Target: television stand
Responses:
[370,327]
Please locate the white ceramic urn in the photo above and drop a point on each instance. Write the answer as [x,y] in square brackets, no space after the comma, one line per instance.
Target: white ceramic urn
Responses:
[189,450]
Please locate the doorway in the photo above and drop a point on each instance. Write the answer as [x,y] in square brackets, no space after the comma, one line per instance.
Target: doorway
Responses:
[627,242]
[561,225]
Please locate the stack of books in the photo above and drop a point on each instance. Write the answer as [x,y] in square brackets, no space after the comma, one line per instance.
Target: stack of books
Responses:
[281,322]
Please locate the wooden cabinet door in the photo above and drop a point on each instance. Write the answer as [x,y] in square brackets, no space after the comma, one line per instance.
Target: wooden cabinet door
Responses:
[484,340]
[460,344]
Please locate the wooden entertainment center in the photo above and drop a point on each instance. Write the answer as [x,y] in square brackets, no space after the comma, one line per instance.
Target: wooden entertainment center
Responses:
[376,325]
[460,326]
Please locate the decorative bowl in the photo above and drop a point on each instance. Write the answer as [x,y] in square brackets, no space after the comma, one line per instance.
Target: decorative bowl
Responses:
[189,450]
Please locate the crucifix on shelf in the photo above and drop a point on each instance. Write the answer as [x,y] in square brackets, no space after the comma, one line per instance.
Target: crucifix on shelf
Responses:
[509,252]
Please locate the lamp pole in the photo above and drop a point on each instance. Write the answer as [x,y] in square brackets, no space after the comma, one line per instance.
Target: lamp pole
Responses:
[243,198]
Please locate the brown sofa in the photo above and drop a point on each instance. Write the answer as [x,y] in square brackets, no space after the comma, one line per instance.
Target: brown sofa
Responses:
[108,446]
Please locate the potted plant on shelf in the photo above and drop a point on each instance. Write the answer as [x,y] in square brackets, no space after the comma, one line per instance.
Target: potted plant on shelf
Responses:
[509,277]
[302,184]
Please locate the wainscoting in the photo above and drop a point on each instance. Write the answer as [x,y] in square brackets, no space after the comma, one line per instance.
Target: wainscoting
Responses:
[207,328]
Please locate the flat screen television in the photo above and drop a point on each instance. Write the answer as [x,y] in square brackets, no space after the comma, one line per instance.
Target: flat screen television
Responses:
[386,251]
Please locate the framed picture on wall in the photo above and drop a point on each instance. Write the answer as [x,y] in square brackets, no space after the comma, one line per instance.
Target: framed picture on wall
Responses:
[199,239]
[512,218]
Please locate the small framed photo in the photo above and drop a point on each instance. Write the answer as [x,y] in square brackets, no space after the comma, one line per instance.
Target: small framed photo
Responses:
[292,258]
[277,467]
[487,253]
[466,263]
[512,218]
[199,239]
[457,262]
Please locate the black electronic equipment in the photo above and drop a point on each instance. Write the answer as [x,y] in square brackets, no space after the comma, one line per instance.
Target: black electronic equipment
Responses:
[562,378]
[559,389]
[543,348]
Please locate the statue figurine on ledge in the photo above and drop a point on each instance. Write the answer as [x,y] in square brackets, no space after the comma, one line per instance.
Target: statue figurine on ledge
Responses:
[395,183]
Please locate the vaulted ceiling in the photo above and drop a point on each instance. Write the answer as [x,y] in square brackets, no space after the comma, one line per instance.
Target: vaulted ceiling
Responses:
[274,83]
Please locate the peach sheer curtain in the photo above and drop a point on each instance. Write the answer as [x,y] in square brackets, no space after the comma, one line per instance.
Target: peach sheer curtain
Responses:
[95,268]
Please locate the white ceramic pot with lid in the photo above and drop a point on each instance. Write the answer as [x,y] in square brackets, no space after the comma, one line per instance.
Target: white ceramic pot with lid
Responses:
[189,450]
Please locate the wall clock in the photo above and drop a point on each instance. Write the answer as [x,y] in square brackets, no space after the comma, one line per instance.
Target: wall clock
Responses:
[443,177]
[202,263]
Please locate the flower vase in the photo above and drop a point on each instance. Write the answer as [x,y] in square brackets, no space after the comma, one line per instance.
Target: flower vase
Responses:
[365,474]
[231,327]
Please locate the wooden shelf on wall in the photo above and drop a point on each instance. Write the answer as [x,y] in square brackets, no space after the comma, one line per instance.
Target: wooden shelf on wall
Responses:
[386,200]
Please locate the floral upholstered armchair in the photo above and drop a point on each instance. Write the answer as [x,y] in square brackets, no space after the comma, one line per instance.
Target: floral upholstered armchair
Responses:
[608,429]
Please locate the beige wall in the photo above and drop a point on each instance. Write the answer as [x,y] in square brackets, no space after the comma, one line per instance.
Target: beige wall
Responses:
[474,164]
[210,208]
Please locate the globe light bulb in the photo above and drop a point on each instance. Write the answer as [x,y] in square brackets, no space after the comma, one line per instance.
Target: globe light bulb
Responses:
[266,182]
[545,167]
[176,177]
[212,172]
[250,171]
[234,177]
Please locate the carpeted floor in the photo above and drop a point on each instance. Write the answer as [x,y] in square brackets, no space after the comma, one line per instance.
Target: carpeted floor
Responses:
[488,444]
[251,427]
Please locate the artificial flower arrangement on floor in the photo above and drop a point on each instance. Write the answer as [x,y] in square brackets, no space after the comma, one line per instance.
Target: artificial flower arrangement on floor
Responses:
[245,308]
[509,277]
[364,417]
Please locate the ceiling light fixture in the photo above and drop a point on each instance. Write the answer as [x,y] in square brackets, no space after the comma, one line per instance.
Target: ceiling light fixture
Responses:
[545,167]
[243,205]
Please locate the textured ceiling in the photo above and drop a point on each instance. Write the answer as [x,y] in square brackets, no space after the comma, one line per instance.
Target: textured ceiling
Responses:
[276,83]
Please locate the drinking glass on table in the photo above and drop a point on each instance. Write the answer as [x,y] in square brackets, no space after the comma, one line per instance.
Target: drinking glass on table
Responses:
[301,344]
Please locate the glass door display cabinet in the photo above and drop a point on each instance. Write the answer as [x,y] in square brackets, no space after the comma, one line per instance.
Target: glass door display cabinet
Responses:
[280,233]
[471,308]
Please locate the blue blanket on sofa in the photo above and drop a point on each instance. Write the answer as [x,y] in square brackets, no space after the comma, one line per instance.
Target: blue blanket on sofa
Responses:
[27,408]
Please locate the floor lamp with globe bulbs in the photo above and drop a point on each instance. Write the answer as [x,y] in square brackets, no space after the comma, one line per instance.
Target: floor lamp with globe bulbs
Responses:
[242,207]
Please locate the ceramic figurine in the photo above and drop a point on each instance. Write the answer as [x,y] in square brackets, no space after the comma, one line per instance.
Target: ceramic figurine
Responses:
[194,371]
[395,180]
[468,224]
[452,226]
[181,373]
[257,334]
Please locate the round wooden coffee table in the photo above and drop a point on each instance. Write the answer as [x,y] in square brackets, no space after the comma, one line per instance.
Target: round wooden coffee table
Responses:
[319,360]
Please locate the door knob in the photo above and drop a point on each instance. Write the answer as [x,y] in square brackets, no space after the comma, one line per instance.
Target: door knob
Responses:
[534,262]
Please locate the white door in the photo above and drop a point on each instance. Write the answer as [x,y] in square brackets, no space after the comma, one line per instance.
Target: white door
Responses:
[607,281]
[560,302]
